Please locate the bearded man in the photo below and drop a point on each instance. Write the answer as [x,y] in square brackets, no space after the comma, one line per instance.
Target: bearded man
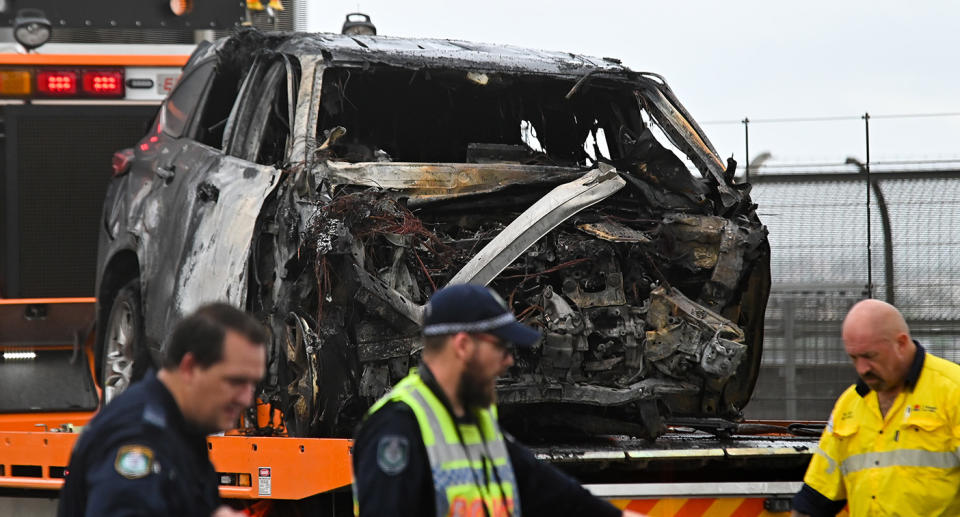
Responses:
[433,445]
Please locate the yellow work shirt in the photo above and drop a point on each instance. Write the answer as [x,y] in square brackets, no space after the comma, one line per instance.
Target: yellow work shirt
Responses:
[906,463]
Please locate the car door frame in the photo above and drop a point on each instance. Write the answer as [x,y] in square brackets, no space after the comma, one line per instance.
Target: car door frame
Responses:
[213,265]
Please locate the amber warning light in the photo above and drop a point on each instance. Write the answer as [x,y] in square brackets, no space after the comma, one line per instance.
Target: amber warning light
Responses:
[15,83]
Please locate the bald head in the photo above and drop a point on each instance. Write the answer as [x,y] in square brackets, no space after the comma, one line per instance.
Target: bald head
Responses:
[874,317]
[877,339]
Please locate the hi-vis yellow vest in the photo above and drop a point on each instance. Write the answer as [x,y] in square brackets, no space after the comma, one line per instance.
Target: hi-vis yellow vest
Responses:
[907,463]
[468,475]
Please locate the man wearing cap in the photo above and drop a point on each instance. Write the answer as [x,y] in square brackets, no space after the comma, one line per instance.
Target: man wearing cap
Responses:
[433,445]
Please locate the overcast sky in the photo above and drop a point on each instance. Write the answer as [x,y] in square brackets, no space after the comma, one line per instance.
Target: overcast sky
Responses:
[728,60]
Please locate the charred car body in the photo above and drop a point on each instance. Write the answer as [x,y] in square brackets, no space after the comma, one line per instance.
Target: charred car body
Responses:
[330,183]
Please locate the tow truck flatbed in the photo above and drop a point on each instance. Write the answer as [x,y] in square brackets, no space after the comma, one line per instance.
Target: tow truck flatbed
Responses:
[301,467]
[673,446]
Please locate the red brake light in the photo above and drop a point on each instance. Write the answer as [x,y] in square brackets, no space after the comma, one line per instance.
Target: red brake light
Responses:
[57,83]
[102,83]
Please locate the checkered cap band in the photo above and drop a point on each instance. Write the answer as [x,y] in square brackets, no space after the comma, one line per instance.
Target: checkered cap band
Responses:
[439,329]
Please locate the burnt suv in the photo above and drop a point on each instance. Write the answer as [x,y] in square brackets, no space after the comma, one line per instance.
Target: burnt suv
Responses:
[329,184]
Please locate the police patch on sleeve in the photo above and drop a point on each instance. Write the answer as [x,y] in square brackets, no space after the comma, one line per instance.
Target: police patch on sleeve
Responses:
[393,453]
[134,461]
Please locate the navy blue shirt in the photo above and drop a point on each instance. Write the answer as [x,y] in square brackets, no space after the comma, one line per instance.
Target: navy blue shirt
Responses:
[139,457]
[544,489]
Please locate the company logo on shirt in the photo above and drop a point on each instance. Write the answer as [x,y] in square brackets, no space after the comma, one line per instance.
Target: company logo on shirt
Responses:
[918,408]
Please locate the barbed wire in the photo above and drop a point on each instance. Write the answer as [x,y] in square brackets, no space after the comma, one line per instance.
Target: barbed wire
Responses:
[845,164]
[833,118]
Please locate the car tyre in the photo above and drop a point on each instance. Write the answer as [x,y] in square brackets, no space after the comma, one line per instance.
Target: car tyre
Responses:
[123,346]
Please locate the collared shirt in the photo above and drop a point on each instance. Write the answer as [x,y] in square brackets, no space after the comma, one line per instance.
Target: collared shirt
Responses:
[902,463]
[913,373]
[544,490]
[140,457]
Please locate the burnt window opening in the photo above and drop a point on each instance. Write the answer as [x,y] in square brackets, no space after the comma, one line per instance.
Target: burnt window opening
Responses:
[262,122]
[216,107]
[279,121]
[234,60]
[663,142]
[393,114]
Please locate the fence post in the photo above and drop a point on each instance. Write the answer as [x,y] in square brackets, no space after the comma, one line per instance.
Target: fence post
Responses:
[866,126]
[746,144]
[790,358]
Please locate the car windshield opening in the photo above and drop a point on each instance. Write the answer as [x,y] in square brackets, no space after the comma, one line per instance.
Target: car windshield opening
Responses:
[454,116]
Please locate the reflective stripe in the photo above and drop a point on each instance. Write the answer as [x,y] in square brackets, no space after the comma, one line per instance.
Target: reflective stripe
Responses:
[896,472]
[831,464]
[498,448]
[900,458]
[452,458]
[431,419]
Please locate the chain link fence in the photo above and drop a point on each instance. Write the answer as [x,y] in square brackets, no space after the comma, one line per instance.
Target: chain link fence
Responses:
[822,265]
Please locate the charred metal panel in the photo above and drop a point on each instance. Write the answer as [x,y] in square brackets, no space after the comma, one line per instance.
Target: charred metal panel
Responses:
[437,182]
[614,232]
[214,267]
[418,53]
[704,340]
[215,201]
[556,207]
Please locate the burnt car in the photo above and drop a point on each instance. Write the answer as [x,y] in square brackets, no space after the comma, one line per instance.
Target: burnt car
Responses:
[329,184]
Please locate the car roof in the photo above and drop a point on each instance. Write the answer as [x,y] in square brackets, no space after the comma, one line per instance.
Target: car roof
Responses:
[419,53]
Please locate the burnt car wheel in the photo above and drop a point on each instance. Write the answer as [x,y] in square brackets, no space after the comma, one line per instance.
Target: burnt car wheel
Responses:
[119,365]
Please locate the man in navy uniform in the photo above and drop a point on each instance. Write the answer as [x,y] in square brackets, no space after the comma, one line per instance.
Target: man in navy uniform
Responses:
[145,453]
[433,446]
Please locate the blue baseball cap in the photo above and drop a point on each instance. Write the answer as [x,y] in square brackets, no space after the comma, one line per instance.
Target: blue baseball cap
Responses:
[474,308]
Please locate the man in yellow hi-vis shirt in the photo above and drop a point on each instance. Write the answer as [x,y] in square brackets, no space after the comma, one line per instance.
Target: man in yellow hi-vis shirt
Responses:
[891,445]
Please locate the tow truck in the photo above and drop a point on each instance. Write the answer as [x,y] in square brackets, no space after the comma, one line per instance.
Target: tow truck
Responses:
[66,102]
